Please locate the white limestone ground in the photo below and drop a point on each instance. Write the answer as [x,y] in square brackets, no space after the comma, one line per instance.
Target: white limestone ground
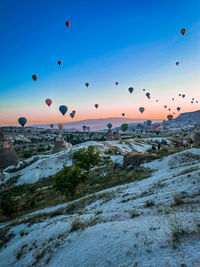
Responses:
[129,225]
[44,166]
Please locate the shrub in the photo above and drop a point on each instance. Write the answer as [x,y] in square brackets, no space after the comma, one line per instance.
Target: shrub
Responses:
[67,180]
[86,158]
[7,204]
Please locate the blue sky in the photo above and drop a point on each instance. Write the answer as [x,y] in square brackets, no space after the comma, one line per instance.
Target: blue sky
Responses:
[134,42]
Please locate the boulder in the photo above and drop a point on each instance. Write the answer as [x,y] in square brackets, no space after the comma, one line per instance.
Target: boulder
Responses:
[60,144]
[8,154]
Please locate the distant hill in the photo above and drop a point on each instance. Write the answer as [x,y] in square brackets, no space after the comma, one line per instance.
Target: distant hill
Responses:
[186,120]
[96,124]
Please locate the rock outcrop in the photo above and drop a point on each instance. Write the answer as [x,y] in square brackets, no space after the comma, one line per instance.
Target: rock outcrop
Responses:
[8,155]
[60,145]
[110,135]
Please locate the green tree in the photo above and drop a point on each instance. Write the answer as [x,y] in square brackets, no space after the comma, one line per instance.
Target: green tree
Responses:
[67,180]
[86,158]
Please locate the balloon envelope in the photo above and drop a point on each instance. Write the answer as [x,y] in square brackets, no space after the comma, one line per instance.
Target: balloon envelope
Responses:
[34,77]
[109,125]
[52,125]
[59,62]
[72,115]
[63,109]
[141,109]
[130,89]
[22,121]
[183,31]
[67,23]
[170,117]
[48,102]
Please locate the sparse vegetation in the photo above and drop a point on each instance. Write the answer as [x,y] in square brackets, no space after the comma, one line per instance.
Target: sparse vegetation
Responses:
[86,158]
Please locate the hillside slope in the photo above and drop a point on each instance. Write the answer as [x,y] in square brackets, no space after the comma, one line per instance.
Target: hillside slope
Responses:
[152,222]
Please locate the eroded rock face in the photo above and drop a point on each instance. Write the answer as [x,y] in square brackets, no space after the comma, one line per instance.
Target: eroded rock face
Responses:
[135,159]
[60,145]
[196,138]
[110,135]
[8,155]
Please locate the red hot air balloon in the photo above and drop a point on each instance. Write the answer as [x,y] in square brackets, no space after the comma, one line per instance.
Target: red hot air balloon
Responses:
[96,105]
[34,77]
[116,83]
[48,102]
[183,31]
[59,62]
[67,23]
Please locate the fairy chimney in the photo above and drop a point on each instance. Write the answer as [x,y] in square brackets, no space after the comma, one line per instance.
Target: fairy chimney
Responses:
[60,144]
[8,155]
[110,135]
[117,136]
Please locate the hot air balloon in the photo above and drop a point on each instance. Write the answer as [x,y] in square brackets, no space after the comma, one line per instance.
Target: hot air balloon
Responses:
[109,125]
[52,125]
[63,109]
[96,105]
[130,90]
[178,109]
[116,83]
[172,99]
[60,126]
[88,128]
[183,96]
[174,113]
[165,106]
[144,90]
[34,77]
[87,84]
[67,23]
[72,115]
[169,109]
[192,99]
[74,111]
[22,121]
[123,114]
[183,31]
[170,117]
[59,62]
[177,63]
[156,100]
[48,102]
[84,127]
[124,127]
[192,102]
[141,109]
[197,101]
[179,94]
[148,95]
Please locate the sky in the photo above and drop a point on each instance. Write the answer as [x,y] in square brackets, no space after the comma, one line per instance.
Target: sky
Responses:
[134,42]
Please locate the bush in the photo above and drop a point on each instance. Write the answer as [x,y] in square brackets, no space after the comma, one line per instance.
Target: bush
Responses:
[7,204]
[67,180]
[86,158]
